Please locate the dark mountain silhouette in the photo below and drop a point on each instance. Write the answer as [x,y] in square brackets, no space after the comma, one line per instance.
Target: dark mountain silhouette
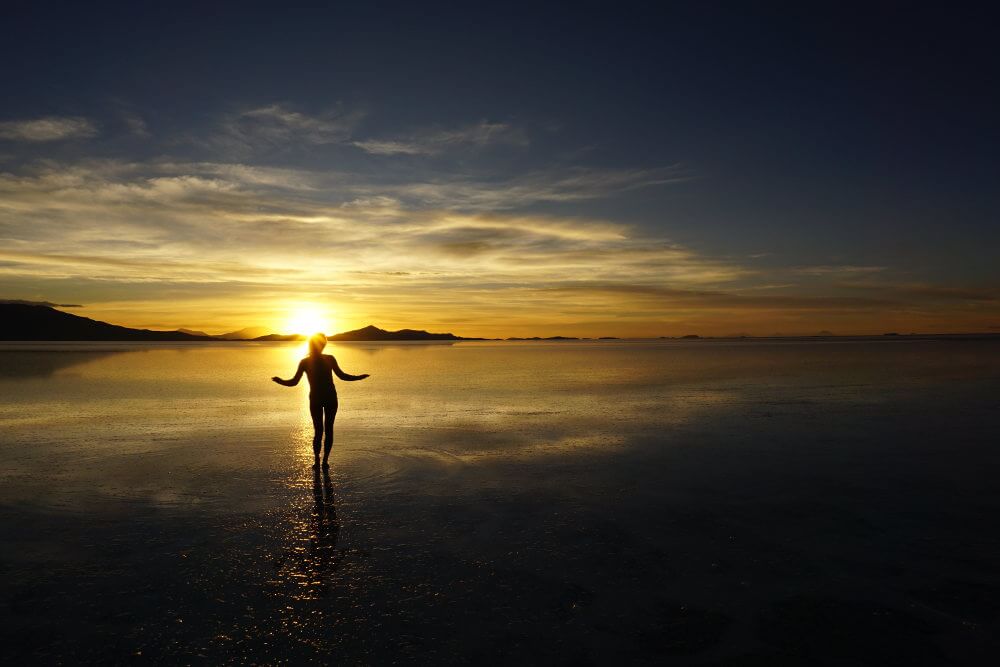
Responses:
[248,333]
[279,337]
[22,321]
[36,322]
[546,338]
[373,333]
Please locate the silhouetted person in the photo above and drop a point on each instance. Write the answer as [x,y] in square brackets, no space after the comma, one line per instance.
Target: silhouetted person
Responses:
[319,368]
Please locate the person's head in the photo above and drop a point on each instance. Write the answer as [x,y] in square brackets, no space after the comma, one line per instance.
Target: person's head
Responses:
[316,343]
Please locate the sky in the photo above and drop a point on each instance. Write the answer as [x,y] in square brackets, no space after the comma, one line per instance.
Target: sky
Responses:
[586,169]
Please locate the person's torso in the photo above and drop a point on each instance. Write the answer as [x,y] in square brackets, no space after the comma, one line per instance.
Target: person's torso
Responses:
[319,370]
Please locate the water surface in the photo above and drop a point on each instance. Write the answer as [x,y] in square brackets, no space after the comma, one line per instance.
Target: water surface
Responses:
[708,502]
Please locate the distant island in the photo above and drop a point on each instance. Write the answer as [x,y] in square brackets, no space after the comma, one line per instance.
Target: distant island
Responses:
[374,333]
[548,338]
[40,322]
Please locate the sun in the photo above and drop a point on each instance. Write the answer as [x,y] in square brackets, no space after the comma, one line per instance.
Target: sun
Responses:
[307,320]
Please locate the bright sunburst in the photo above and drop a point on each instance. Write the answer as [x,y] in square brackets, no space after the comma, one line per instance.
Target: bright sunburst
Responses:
[307,320]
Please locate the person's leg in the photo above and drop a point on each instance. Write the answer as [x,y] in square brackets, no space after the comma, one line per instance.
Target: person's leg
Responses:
[316,412]
[331,415]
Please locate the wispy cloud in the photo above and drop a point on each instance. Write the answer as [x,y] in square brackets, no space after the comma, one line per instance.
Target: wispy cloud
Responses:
[40,303]
[278,126]
[929,293]
[437,141]
[672,297]
[50,128]
[136,125]
[546,186]
[843,270]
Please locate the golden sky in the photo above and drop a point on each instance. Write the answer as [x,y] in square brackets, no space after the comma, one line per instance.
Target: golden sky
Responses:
[163,243]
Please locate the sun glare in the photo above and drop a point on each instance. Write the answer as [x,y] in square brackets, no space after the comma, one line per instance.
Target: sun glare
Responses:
[308,320]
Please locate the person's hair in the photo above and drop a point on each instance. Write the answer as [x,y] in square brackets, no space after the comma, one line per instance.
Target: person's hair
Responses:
[316,343]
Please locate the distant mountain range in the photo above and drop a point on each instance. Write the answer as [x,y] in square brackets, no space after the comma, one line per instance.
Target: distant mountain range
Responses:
[249,333]
[40,321]
[374,333]
[37,322]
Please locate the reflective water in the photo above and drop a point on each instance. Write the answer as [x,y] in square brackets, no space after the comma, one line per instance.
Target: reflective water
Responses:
[596,502]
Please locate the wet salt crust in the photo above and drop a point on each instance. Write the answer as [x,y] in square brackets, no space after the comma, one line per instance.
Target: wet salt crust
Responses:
[598,502]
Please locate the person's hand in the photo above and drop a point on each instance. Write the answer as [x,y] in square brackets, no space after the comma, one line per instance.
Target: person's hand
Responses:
[276,379]
[363,376]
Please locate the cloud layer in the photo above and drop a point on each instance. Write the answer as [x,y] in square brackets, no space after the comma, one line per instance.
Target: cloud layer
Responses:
[435,142]
[51,128]
[219,244]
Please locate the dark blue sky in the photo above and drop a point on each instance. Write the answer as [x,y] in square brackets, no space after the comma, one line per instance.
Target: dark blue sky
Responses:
[804,134]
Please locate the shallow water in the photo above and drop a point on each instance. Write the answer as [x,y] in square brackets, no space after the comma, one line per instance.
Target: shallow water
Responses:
[711,502]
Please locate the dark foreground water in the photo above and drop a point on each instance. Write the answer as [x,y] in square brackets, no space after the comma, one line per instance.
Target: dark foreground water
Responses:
[692,503]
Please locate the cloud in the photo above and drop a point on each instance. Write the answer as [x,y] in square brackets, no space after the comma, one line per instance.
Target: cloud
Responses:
[228,222]
[837,269]
[278,127]
[545,186]
[228,239]
[711,299]
[136,125]
[50,128]
[40,303]
[276,124]
[435,142]
[927,293]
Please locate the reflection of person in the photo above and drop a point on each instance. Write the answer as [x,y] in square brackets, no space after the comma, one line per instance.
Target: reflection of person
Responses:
[319,368]
[326,528]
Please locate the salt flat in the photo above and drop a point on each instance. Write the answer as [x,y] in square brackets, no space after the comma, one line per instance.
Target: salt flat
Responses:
[762,502]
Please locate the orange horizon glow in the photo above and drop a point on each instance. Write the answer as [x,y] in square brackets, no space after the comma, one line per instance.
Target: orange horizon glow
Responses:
[312,317]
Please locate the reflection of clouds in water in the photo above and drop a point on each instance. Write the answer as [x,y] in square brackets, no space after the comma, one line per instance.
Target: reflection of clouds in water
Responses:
[173,422]
[481,450]
[439,447]
[584,423]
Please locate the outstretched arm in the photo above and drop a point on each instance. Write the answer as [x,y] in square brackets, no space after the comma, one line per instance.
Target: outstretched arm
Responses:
[345,376]
[295,379]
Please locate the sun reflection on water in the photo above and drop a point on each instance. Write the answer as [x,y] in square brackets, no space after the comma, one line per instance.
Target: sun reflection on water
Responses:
[311,548]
